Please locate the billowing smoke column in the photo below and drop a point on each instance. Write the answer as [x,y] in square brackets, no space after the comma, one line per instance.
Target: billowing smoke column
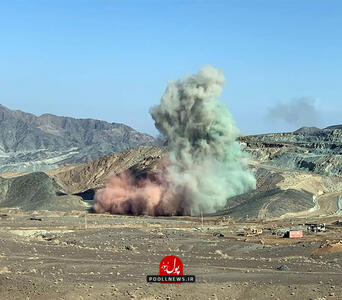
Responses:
[205,165]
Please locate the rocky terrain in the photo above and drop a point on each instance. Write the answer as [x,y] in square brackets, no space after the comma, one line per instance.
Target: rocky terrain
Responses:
[284,189]
[53,247]
[307,149]
[77,179]
[66,187]
[54,255]
[37,191]
[283,193]
[286,186]
[31,143]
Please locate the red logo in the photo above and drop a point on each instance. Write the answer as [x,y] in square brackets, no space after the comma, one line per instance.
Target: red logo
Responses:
[171,271]
[171,265]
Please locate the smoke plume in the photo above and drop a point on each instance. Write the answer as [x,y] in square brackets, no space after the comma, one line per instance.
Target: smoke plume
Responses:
[298,112]
[205,166]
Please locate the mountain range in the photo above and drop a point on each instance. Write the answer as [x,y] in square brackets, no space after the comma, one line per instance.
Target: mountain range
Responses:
[298,173]
[38,143]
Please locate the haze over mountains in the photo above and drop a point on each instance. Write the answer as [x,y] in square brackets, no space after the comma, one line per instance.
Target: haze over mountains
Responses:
[31,143]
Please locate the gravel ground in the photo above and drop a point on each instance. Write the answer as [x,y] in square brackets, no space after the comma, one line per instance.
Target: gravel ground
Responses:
[53,255]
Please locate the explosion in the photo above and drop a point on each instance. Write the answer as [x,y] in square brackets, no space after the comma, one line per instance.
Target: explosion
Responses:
[206,165]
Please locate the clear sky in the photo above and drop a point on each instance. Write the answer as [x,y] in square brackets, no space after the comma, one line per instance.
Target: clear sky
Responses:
[111,60]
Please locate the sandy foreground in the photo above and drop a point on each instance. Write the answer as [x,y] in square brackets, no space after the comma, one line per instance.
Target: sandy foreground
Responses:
[54,255]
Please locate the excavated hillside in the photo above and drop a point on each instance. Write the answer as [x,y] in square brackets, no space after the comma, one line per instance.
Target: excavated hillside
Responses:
[307,149]
[298,175]
[286,194]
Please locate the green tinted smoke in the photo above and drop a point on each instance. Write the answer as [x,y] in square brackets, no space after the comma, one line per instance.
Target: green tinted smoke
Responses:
[207,164]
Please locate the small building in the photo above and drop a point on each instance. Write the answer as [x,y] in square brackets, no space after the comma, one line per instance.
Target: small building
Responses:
[296,234]
[293,234]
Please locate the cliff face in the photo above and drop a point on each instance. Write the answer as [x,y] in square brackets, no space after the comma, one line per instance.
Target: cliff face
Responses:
[31,143]
[307,149]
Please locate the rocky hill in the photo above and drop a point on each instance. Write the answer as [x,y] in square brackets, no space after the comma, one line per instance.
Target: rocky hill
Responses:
[37,191]
[307,149]
[86,178]
[31,143]
[284,193]
[298,175]
[66,187]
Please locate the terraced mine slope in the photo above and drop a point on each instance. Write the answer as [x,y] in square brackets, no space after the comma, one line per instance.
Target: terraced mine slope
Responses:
[307,149]
[286,194]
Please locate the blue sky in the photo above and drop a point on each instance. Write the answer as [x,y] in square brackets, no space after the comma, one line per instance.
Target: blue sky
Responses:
[111,60]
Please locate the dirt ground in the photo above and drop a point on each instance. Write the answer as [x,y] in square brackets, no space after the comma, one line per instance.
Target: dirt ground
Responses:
[54,255]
